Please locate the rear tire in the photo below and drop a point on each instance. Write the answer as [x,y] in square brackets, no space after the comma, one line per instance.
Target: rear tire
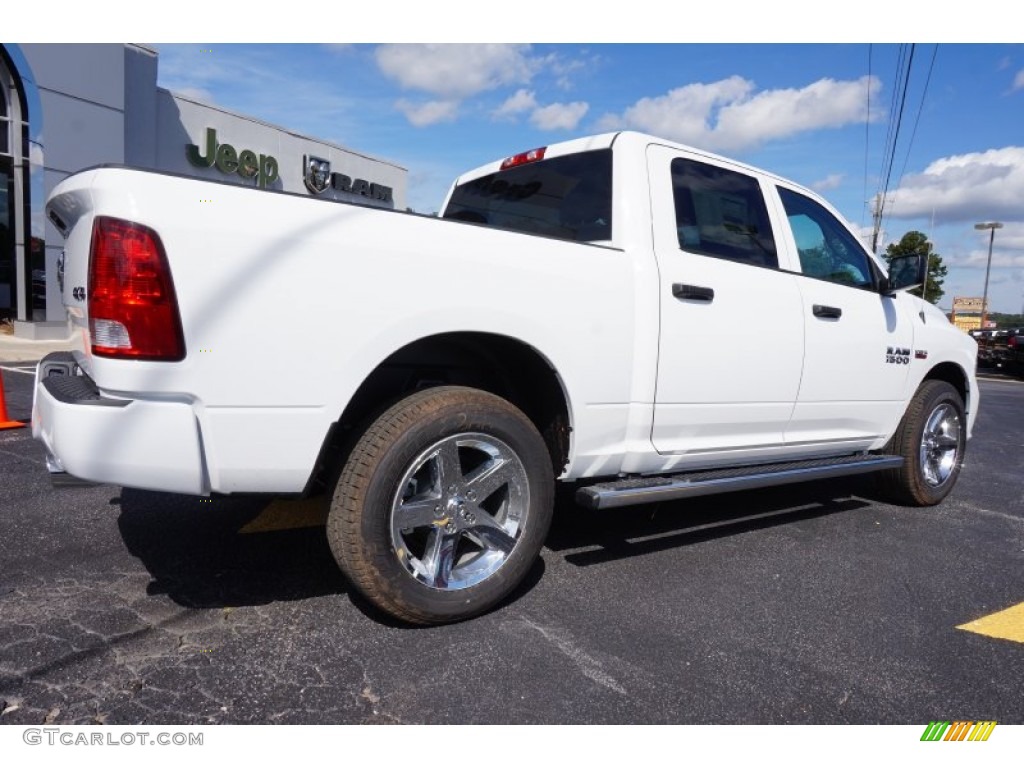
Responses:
[442,506]
[931,438]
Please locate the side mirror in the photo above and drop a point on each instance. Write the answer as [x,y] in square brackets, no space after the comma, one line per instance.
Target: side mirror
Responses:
[905,273]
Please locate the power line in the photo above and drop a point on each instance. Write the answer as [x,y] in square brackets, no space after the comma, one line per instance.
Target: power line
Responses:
[898,124]
[890,154]
[893,100]
[867,137]
[876,212]
[920,108]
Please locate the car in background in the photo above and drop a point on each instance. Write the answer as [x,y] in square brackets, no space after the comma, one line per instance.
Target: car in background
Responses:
[1012,351]
[988,341]
[1001,349]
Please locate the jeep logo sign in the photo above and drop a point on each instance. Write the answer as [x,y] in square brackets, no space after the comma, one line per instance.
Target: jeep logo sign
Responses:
[246,163]
[316,174]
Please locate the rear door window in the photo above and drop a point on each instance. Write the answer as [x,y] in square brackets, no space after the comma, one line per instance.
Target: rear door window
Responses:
[567,197]
[721,213]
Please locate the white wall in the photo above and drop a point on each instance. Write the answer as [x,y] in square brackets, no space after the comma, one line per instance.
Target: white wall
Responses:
[81,91]
[182,121]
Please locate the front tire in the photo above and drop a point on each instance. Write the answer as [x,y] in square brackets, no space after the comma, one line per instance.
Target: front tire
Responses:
[931,438]
[442,506]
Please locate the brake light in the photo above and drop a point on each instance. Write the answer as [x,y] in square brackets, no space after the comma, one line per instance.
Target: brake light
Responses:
[1012,342]
[133,311]
[523,158]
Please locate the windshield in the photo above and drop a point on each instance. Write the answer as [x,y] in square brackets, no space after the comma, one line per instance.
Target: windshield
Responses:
[568,197]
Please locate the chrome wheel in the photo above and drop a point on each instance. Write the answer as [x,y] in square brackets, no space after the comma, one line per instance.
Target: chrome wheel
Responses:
[459,511]
[940,444]
[931,439]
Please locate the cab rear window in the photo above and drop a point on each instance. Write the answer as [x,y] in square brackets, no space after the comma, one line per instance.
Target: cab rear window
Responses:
[568,197]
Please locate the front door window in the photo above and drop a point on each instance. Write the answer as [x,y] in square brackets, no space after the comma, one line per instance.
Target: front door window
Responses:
[827,251]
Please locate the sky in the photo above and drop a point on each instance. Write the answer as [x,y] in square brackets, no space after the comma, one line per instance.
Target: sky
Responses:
[821,114]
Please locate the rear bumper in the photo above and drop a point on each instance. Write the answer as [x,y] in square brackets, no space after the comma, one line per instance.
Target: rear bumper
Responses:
[136,443]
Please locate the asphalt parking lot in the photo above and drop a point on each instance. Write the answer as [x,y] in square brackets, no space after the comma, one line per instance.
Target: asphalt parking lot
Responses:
[809,604]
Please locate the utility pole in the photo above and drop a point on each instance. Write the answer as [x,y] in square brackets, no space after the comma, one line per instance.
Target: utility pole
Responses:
[876,217]
[992,226]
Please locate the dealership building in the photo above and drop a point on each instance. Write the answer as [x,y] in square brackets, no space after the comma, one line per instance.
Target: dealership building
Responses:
[68,107]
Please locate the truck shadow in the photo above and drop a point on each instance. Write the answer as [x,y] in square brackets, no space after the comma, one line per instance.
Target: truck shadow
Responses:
[212,553]
[198,554]
[591,537]
[229,552]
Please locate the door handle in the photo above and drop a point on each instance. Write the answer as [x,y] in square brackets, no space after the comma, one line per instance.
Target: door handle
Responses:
[693,292]
[821,310]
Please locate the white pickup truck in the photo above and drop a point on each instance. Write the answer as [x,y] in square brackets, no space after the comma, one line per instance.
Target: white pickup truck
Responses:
[640,319]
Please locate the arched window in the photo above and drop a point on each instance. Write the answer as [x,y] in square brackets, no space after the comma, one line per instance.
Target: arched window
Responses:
[22,244]
[8,240]
[5,120]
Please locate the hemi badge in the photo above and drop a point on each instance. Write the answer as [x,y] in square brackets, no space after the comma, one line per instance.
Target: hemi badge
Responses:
[921,354]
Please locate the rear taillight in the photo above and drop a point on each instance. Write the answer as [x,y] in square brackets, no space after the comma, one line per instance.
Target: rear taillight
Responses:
[1012,342]
[133,312]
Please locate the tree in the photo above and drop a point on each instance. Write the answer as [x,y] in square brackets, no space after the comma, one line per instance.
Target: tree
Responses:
[1003,320]
[915,242]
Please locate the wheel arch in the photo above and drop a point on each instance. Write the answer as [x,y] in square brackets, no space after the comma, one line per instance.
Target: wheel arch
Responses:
[954,375]
[505,366]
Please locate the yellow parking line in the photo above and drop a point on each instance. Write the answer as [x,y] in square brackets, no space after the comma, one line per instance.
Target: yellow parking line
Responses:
[281,515]
[1006,625]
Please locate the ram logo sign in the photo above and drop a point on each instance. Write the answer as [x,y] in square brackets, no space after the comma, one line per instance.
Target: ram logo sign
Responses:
[318,179]
[318,174]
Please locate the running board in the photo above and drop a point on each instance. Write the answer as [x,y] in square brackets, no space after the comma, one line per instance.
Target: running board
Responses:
[646,490]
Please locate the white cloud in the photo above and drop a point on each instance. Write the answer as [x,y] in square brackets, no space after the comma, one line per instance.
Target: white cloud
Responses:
[252,79]
[1007,249]
[1011,236]
[979,259]
[563,70]
[456,71]
[1018,81]
[559,116]
[775,114]
[683,113]
[975,186]
[429,112]
[520,101]
[730,115]
[832,181]
[551,117]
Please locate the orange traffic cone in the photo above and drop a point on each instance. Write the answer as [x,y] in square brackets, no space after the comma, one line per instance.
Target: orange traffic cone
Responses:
[5,422]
